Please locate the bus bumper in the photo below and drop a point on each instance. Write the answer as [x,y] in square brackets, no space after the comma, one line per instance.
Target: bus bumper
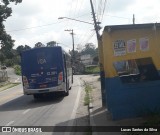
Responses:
[44,90]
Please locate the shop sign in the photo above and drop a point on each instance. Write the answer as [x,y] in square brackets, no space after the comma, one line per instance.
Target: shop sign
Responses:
[119,48]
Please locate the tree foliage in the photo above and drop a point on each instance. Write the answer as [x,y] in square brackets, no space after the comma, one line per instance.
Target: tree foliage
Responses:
[89,49]
[39,44]
[21,48]
[6,41]
[51,44]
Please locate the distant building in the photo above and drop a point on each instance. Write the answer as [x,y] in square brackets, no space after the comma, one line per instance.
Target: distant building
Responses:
[87,59]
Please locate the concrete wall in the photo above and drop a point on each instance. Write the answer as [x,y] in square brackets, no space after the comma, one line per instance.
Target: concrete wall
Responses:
[136,98]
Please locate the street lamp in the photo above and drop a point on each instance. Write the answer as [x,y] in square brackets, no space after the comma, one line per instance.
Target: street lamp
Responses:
[97,28]
[75,20]
[72,30]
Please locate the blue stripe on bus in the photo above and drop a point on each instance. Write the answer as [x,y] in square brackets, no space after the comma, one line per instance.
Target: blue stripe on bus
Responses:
[131,100]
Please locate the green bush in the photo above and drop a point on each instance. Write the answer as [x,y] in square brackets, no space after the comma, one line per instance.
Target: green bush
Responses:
[87,97]
[8,62]
[17,69]
[92,70]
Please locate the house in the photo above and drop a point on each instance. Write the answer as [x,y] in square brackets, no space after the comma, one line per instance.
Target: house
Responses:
[87,59]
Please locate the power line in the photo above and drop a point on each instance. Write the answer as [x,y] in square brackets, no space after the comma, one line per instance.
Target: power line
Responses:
[83,37]
[33,27]
[87,38]
[117,16]
[103,10]
[64,45]
[90,37]
[82,3]
[75,9]
[99,10]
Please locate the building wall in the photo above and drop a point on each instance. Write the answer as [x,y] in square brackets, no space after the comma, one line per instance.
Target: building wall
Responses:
[102,74]
[135,99]
[109,38]
[86,59]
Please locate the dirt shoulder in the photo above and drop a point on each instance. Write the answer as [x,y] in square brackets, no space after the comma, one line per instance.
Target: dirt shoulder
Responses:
[7,85]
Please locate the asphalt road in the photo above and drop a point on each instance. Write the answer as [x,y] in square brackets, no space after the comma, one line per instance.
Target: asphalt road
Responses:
[17,109]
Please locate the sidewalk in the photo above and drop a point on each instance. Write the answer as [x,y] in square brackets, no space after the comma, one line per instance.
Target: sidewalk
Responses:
[12,80]
[99,116]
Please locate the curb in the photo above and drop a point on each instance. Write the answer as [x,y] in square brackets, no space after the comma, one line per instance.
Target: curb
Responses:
[91,120]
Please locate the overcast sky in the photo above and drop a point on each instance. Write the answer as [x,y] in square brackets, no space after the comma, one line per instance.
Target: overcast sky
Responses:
[35,21]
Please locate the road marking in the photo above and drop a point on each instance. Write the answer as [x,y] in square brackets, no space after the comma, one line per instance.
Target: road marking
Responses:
[8,124]
[26,111]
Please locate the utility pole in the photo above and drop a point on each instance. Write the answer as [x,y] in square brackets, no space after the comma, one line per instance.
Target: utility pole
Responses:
[72,34]
[102,74]
[133,19]
[73,55]
[73,45]
[96,26]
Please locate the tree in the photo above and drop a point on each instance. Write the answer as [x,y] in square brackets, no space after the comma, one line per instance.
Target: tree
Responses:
[96,59]
[51,44]
[26,47]
[89,49]
[21,48]
[6,41]
[79,48]
[39,44]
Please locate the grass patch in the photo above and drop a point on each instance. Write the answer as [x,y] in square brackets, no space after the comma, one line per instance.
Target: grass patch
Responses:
[92,70]
[87,97]
[17,69]
[8,85]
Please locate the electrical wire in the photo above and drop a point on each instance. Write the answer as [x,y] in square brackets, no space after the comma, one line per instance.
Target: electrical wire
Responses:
[33,27]
[75,9]
[99,10]
[88,38]
[105,2]
[116,16]
[80,7]
[82,38]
